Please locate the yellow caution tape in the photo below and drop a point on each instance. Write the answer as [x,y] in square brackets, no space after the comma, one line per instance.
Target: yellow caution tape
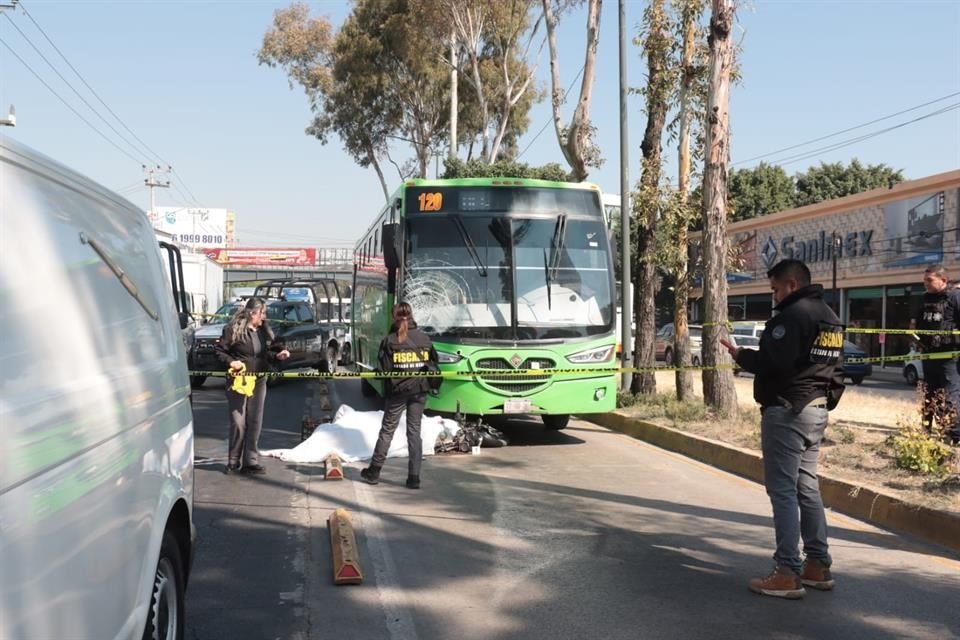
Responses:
[908,332]
[499,373]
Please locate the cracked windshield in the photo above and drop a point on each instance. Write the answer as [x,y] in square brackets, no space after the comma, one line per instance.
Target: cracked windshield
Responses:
[534,274]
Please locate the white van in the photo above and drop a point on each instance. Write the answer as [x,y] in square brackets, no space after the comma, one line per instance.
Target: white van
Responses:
[750,328]
[96,429]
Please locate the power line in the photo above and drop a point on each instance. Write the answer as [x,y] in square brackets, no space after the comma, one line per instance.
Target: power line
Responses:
[810,154]
[544,127]
[145,146]
[184,184]
[67,82]
[68,105]
[847,130]
[86,84]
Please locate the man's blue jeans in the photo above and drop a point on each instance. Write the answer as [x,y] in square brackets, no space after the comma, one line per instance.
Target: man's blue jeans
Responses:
[791,447]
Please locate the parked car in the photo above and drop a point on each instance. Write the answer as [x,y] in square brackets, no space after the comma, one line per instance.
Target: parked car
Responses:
[855,370]
[664,344]
[748,328]
[913,369]
[292,322]
[744,342]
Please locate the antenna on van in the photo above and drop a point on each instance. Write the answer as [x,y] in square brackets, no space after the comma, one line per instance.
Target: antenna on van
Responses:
[11,119]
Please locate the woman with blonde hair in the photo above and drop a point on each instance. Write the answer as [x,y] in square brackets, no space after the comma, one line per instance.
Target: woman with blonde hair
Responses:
[405,349]
[246,347]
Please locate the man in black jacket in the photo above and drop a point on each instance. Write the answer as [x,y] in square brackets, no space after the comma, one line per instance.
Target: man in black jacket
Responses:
[941,376]
[800,349]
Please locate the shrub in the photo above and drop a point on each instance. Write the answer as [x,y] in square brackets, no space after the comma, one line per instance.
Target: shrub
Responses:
[920,452]
[843,435]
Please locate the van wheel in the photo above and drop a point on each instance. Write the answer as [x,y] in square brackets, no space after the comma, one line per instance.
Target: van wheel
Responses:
[197,381]
[668,357]
[555,423]
[910,373]
[696,361]
[856,379]
[165,617]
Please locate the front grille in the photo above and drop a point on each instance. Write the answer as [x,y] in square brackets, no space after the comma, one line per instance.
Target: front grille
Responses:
[514,383]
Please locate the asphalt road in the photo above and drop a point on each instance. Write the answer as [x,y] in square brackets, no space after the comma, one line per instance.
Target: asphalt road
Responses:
[579,534]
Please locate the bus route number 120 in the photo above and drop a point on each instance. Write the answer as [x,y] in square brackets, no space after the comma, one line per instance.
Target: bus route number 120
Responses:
[430,201]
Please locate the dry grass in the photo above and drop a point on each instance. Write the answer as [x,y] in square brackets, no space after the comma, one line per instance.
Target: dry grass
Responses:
[856,447]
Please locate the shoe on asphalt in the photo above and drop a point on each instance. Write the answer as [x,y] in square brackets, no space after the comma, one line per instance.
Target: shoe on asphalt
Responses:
[230,469]
[254,469]
[371,475]
[781,583]
[413,482]
[817,575]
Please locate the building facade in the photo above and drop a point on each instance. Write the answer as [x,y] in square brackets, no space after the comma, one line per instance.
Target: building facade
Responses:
[868,250]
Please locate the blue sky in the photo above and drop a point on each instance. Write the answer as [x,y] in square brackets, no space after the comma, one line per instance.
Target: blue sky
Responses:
[184,77]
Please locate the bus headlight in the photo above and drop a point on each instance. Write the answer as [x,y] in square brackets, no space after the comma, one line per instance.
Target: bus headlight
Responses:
[600,354]
[448,358]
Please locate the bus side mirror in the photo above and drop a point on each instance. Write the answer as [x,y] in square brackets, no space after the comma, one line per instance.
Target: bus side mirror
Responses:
[390,236]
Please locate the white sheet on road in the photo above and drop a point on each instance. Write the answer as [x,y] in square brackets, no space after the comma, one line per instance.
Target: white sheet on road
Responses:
[353,434]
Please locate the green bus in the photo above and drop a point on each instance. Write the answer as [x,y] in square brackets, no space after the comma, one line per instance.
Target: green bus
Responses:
[504,275]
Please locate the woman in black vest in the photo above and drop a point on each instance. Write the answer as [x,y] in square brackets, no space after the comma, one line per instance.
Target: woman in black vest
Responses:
[406,349]
[246,347]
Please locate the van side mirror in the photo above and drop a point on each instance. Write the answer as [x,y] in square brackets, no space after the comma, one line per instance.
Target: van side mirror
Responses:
[390,236]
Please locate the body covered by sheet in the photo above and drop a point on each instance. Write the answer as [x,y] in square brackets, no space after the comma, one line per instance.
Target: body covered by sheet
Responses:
[353,434]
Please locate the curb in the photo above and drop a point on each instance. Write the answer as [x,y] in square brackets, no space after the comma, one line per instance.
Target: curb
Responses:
[931,525]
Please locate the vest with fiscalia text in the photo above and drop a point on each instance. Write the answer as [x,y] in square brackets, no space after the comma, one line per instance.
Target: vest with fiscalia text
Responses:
[940,312]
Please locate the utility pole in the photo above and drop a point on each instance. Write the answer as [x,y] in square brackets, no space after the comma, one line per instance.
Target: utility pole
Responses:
[153,182]
[626,283]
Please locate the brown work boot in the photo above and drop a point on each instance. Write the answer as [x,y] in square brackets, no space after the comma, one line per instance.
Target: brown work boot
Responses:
[817,575]
[781,583]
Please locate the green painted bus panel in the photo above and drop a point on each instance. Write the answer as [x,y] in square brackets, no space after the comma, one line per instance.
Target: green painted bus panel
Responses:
[492,386]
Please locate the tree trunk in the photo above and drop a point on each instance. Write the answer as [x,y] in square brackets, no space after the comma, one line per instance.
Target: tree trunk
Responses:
[684,379]
[656,49]
[379,170]
[556,93]
[452,153]
[578,134]
[573,141]
[718,386]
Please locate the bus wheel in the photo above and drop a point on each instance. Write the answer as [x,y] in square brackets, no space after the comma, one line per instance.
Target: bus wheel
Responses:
[555,423]
[197,381]
[345,355]
[165,617]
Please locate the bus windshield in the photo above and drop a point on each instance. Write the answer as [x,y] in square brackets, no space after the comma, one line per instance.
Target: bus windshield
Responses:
[509,277]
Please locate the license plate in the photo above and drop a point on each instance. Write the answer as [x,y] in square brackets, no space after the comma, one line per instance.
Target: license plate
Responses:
[521,405]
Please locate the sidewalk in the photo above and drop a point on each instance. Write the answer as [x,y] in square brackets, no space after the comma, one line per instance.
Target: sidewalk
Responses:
[931,525]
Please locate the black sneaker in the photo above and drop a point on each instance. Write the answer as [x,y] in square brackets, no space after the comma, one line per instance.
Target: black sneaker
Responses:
[231,469]
[413,482]
[254,469]
[370,475]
